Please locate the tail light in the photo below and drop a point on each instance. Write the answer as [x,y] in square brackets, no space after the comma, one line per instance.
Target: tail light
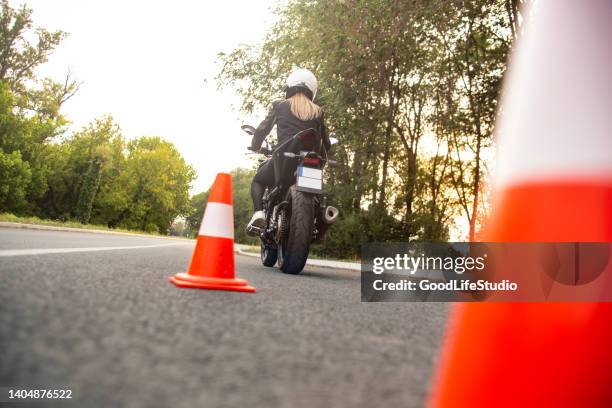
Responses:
[311,160]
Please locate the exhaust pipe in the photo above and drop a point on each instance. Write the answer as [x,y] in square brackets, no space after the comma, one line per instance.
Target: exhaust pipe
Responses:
[328,217]
[330,214]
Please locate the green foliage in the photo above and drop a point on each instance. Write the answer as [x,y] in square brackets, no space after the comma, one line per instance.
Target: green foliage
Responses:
[243,208]
[194,219]
[23,173]
[18,56]
[15,176]
[97,177]
[410,90]
[156,180]
[89,189]
[93,176]
[24,131]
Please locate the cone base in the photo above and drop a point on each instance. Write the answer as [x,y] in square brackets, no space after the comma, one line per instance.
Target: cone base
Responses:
[185,280]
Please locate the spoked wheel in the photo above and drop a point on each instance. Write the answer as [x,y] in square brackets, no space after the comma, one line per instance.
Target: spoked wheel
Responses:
[295,231]
[268,255]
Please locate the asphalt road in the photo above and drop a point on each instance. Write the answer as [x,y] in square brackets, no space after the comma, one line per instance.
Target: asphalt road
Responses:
[108,325]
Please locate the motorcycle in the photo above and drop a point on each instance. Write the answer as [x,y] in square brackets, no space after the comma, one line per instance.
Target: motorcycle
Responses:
[296,210]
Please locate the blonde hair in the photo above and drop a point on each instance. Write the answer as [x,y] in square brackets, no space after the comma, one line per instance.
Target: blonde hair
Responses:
[303,108]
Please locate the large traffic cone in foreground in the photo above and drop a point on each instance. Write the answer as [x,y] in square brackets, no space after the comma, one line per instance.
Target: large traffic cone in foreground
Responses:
[212,265]
[554,183]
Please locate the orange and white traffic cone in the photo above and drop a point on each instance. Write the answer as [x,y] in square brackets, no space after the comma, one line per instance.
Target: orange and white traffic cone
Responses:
[554,184]
[212,265]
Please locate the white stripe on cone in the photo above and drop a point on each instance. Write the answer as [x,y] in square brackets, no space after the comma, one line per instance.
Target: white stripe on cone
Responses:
[555,121]
[218,221]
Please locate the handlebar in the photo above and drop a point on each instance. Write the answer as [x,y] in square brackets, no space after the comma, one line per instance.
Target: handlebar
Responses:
[269,152]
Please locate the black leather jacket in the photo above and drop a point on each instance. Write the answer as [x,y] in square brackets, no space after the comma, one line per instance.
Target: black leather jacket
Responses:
[287,125]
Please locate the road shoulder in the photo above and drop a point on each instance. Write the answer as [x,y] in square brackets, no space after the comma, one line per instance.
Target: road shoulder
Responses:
[8,224]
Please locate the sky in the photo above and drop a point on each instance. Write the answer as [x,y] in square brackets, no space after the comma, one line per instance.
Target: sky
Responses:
[151,65]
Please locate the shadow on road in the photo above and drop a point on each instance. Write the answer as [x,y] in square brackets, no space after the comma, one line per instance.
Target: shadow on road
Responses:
[331,275]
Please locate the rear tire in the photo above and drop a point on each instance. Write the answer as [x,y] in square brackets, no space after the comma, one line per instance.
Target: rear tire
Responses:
[268,255]
[294,253]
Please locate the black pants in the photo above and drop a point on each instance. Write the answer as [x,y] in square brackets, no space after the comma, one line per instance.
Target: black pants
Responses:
[274,171]
[264,178]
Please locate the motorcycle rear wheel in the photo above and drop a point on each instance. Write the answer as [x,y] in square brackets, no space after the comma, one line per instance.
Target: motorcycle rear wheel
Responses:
[293,249]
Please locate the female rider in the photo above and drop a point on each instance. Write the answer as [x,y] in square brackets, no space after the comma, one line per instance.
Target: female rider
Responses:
[296,113]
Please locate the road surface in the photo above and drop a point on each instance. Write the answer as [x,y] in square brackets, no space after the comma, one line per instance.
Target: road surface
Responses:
[108,325]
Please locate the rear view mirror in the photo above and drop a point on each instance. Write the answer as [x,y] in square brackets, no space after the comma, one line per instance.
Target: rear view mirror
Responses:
[248,129]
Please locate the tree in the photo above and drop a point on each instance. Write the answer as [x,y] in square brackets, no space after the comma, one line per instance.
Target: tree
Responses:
[97,142]
[29,106]
[197,205]
[78,169]
[15,171]
[242,203]
[16,176]
[93,176]
[18,56]
[156,180]
[410,89]
[475,38]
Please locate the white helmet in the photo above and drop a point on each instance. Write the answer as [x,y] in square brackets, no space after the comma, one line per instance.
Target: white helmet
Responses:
[302,79]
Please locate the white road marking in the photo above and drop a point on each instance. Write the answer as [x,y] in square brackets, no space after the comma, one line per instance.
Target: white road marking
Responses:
[44,251]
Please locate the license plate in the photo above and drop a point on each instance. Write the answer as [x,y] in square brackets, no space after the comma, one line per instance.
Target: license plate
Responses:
[309,179]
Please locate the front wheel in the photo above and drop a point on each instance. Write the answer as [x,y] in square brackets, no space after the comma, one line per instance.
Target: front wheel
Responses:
[269,255]
[295,243]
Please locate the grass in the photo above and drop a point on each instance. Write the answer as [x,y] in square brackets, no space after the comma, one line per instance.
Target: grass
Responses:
[8,217]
